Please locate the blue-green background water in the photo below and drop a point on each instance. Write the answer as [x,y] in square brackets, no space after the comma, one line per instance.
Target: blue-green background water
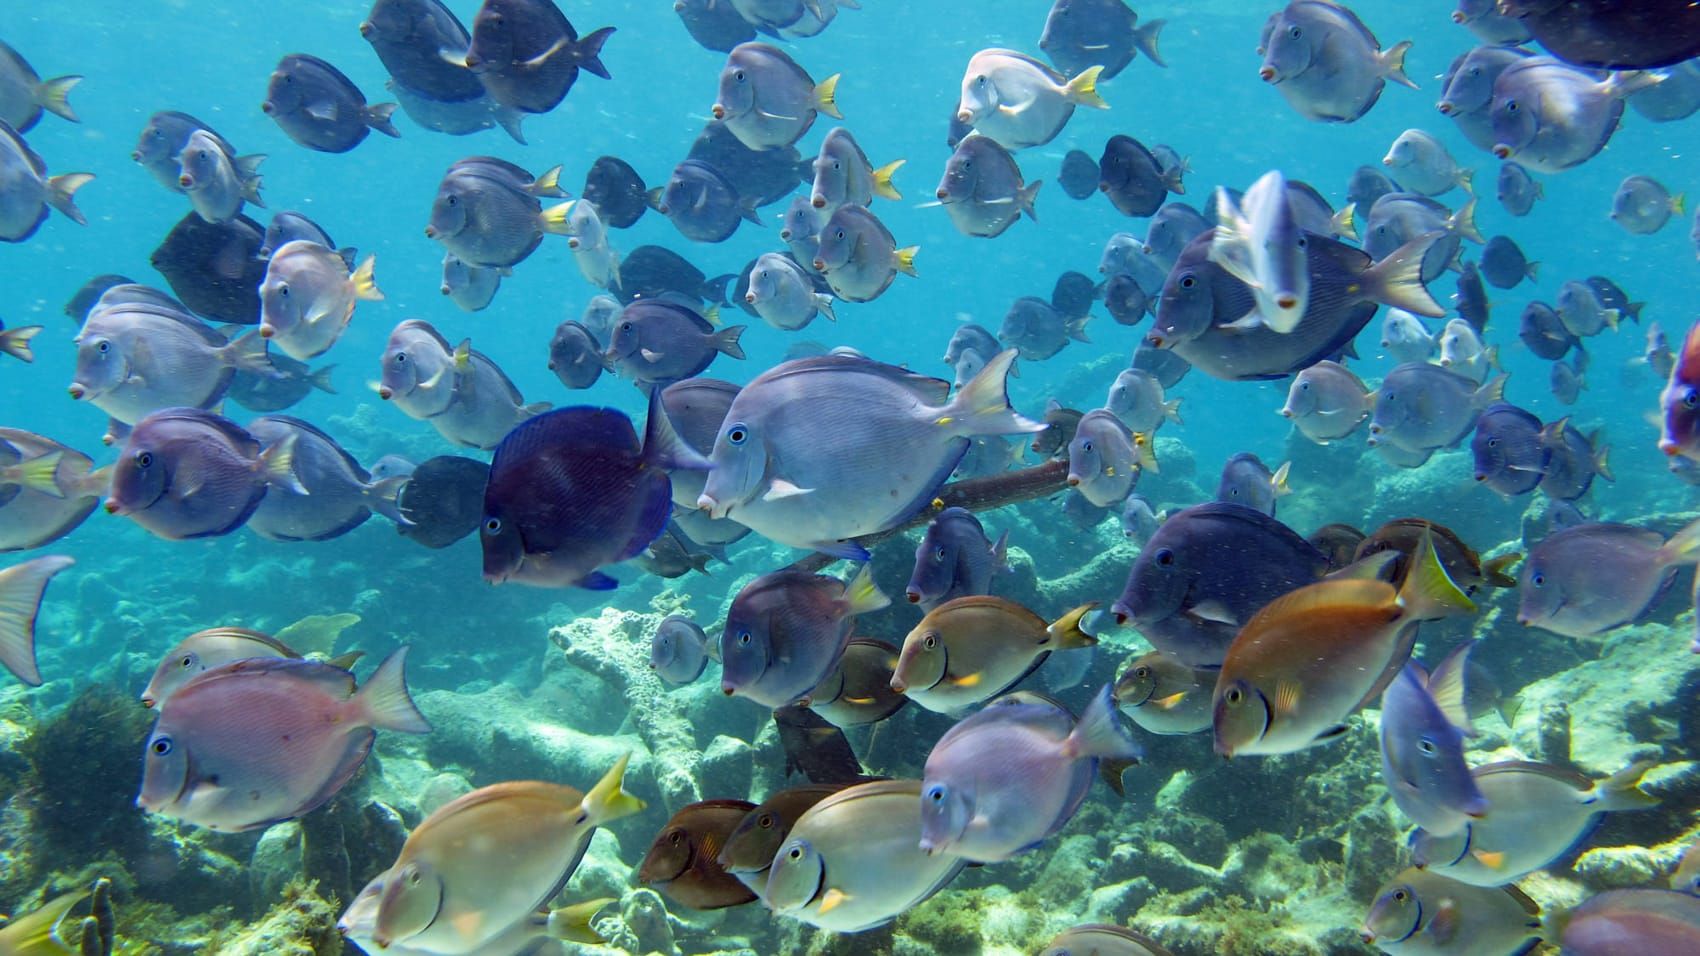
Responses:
[132,595]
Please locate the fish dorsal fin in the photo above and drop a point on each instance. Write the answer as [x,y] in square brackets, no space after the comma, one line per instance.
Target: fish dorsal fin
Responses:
[933,391]
[244,634]
[1446,686]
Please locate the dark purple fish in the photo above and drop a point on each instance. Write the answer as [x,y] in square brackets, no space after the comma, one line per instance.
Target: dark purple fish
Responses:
[662,340]
[443,500]
[616,190]
[954,559]
[528,55]
[215,268]
[1510,456]
[319,107]
[187,473]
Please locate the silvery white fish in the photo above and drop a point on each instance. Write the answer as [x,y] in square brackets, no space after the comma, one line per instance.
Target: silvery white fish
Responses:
[799,227]
[1642,205]
[1259,243]
[216,182]
[954,559]
[1550,116]
[187,473]
[1423,726]
[1139,520]
[1014,773]
[1106,458]
[1580,309]
[1164,696]
[1136,397]
[820,450]
[1326,63]
[467,286]
[268,739]
[667,339]
[460,391]
[1461,350]
[287,225]
[215,647]
[24,94]
[678,651]
[138,357]
[1422,164]
[309,295]
[1422,406]
[1020,102]
[1467,90]
[982,189]
[1103,939]
[844,175]
[1517,190]
[783,293]
[767,100]
[785,630]
[1247,481]
[852,861]
[1327,402]
[27,191]
[859,256]
[161,144]
[1536,813]
[588,239]
[335,495]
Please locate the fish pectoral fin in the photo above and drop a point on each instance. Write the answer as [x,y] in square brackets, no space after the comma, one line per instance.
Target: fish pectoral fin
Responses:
[325,110]
[1287,694]
[1492,861]
[543,57]
[650,356]
[1215,612]
[187,480]
[966,680]
[1251,320]
[832,899]
[1332,733]
[779,489]
[1170,702]
[775,116]
[468,924]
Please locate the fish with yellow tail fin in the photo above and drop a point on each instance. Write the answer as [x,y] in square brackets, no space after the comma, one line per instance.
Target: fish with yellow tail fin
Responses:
[488,860]
[973,648]
[43,932]
[1311,658]
[1536,813]
[571,923]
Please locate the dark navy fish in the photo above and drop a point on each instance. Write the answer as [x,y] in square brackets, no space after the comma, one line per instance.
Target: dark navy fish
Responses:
[702,203]
[1675,98]
[1510,456]
[1060,425]
[661,340]
[1541,329]
[649,272]
[815,748]
[1206,571]
[443,500]
[1612,296]
[1079,174]
[423,46]
[954,559]
[1573,461]
[1471,301]
[1085,33]
[1504,265]
[1169,367]
[673,554]
[288,226]
[1171,229]
[316,105]
[288,382]
[1517,190]
[572,490]
[1125,300]
[1132,179]
[763,176]
[616,190]
[1073,293]
[215,268]
[1038,330]
[77,307]
[714,24]
[1367,184]
[575,356]
[1606,34]
[528,55]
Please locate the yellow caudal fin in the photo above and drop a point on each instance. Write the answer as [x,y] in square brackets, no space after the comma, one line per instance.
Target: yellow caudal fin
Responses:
[42,932]
[863,594]
[1065,631]
[548,184]
[54,96]
[1427,593]
[906,260]
[1467,180]
[277,463]
[16,342]
[554,219]
[882,180]
[1683,547]
[1463,222]
[21,588]
[1278,481]
[1345,222]
[1622,790]
[1679,203]
[365,281]
[1083,89]
[40,473]
[572,923]
[388,705]
[608,801]
[826,97]
[61,191]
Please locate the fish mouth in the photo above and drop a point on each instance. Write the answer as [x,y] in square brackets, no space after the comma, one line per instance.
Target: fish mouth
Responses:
[963,116]
[718,111]
[267,331]
[819,202]
[1669,447]
[113,507]
[1074,481]
[1287,301]
[430,232]
[820,265]
[750,297]
[366,29]
[185,180]
[913,595]
[1268,74]
[267,107]
[1501,151]
[385,393]
[728,689]
[78,391]
[1445,108]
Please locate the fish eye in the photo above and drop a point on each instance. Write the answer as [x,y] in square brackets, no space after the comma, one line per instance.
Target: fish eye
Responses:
[765,821]
[188,660]
[492,526]
[1427,747]
[1235,695]
[930,641]
[414,878]
[738,75]
[1142,672]
[1400,896]
[283,290]
[796,853]
[675,837]
[1538,579]
[738,434]
[1303,242]
[1493,443]
[1511,106]
[104,346]
[161,746]
[144,459]
[1690,398]
[935,793]
[980,80]
[840,233]
[401,358]
[1294,32]
[1188,281]
[938,554]
[1304,386]
[625,326]
[744,638]
[453,200]
[1165,557]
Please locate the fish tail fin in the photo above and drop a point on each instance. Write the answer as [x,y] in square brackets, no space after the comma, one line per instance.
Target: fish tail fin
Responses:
[652,199]
[1532,270]
[1076,328]
[345,661]
[1679,203]
[1145,38]
[863,595]
[1278,481]
[1599,454]
[54,96]
[572,923]
[1463,222]
[277,464]
[826,96]
[1000,555]
[247,353]
[16,342]
[608,801]
[321,379]
[251,181]
[982,406]
[40,473]
[365,281]
[554,219]
[1622,790]
[1467,180]
[588,52]
[1683,547]
[1427,593]
[1172,411]
[382,496]
[21,587]
[662,446]
[548,184]
[823,302]
[1398,279]
[749,211]
[1492,391]
[378,118]
[62,189]
[1494,570]
[883,186]
[1083,89]
[510,121]
[1345,222]
[1392,62]
[1100,732]
[1025,196]
[1622,83]
[387,703]
[1066,630]
[906,260]
[726,340]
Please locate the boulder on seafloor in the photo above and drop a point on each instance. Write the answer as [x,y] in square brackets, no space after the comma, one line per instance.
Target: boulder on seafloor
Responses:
[301,924]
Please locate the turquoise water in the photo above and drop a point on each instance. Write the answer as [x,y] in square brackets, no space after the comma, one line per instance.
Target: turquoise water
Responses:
[132,596]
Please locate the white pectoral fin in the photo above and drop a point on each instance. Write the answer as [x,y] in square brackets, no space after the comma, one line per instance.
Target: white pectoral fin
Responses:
[779,489]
